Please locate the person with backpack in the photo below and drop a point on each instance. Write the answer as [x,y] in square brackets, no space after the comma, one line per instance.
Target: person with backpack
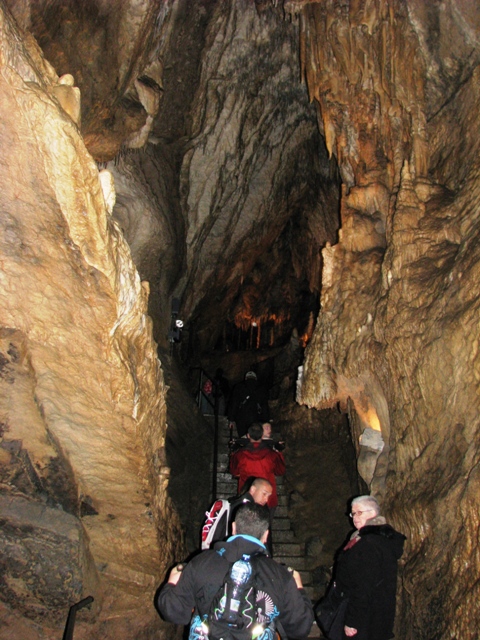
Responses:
[236,592]
[248,403]
[219,517]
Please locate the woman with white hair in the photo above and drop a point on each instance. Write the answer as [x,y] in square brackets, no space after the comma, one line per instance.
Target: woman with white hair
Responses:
[366,575]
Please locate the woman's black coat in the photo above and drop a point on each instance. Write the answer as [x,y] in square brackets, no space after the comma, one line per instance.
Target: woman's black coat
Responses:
[366,571]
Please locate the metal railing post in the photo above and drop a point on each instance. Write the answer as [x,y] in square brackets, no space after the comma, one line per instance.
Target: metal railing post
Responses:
[203,375]
[68,634]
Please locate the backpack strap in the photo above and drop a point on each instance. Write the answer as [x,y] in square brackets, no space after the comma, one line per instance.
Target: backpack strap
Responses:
[265,616]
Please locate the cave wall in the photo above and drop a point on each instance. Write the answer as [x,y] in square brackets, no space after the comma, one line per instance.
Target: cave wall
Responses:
[396,343]
[232,169]
[254,169]
[84,479]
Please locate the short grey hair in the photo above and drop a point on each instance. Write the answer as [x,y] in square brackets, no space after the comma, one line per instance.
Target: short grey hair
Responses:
[370,501]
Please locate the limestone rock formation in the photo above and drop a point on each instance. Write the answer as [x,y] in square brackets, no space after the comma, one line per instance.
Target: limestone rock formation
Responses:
[398,329]
[212,207]
[82,402]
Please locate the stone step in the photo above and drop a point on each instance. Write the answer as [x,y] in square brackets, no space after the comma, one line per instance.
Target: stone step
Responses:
[224,476]
[283,536]
[306,577]
[281,524]
[223,470]
[288,549]
[227,488]
[226,495]
[282,500]
[296,562]
[225,483]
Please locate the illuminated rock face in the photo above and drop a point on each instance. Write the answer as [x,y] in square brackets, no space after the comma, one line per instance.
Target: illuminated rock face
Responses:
[398,331]
[82,396]
[225,194]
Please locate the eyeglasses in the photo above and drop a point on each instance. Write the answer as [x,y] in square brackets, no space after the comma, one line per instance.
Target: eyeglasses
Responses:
[359,513]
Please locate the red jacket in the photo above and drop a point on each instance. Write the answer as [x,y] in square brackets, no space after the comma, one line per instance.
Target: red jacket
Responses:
[258,460]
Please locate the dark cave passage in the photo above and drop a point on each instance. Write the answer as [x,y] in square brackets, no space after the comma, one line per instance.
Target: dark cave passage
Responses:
[321,472]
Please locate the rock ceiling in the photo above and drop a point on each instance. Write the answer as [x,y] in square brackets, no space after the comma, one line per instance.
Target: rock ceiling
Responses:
[229,194]
[263,154]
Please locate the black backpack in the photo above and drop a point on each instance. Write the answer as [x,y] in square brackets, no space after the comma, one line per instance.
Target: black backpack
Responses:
[244,612]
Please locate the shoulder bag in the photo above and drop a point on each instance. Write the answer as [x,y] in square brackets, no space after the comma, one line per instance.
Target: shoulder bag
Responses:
[330,610]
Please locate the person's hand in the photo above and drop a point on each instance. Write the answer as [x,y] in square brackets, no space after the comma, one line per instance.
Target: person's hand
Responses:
[175,574]
[349,631]
[296,577]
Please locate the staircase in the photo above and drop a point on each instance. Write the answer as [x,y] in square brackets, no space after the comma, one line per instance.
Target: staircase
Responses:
[286,549]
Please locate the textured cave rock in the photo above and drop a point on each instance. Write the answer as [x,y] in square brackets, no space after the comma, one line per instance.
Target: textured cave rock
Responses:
[33,539]
[82,391]
[91,39]
[397,336]
[232,199]
[259,190]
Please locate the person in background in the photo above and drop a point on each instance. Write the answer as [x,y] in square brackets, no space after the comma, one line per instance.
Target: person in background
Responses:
[366,572]
[219,518]
[256,459]
[267,438]
[207,401]
[221,390]
[248,403]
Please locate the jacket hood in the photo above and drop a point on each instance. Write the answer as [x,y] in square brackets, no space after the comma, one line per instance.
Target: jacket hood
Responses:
[385,531]
[236,546]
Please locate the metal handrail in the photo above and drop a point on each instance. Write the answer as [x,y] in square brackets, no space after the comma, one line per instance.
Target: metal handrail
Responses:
[69,627]
[203,375]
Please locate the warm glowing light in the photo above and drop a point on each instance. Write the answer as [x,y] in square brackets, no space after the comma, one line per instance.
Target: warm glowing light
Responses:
[304,339]
[371,418]
[245,320]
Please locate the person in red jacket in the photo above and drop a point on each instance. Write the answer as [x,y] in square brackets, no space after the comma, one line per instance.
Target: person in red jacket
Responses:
[257,459]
